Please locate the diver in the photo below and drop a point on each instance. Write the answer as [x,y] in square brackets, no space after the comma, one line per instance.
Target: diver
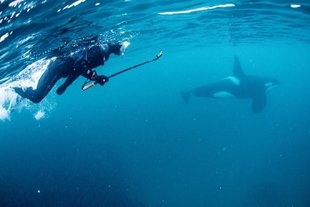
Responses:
[78,63]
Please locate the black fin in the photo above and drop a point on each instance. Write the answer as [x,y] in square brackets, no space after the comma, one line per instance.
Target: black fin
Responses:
[238,72]
[19,91]
[259,102]
[186,96]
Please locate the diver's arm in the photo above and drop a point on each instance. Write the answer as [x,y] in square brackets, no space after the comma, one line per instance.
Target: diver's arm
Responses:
[92,75]
[89,74]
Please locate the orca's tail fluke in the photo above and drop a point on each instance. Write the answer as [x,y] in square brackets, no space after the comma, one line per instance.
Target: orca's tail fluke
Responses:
[186,96]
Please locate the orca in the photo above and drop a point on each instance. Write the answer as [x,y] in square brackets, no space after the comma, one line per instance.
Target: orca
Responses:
[239,85]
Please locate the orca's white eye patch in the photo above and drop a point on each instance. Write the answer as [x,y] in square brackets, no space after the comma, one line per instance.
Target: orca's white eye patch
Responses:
[223,94]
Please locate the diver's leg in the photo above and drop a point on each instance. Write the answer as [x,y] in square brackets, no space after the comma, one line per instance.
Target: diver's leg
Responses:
[45,84]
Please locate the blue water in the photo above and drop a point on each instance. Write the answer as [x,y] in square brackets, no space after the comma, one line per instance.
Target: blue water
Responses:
[134,142]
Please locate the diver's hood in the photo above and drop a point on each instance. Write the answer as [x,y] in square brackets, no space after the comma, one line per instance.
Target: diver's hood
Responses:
[119,48]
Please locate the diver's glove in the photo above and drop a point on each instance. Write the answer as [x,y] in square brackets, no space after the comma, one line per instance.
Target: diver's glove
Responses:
[102,79]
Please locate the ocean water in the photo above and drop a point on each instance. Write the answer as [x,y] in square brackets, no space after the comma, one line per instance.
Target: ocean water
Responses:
[134,142]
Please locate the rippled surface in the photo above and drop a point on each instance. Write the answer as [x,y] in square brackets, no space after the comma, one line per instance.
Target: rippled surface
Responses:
[30,28]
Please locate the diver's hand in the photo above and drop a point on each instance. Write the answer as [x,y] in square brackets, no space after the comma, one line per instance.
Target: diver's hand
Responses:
[102,79]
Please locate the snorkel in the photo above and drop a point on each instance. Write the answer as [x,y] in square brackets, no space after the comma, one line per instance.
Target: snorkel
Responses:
[123,47]
[118,48]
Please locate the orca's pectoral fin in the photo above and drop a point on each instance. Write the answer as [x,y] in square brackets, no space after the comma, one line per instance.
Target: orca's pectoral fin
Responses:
[259,103]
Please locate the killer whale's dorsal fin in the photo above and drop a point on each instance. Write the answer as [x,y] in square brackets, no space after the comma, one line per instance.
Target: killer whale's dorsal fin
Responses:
[238,72]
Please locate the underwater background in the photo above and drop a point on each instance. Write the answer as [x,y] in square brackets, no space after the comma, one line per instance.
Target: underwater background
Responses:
[134,142]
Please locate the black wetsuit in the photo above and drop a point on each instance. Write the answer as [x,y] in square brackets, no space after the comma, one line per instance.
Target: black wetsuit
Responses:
[79,63]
